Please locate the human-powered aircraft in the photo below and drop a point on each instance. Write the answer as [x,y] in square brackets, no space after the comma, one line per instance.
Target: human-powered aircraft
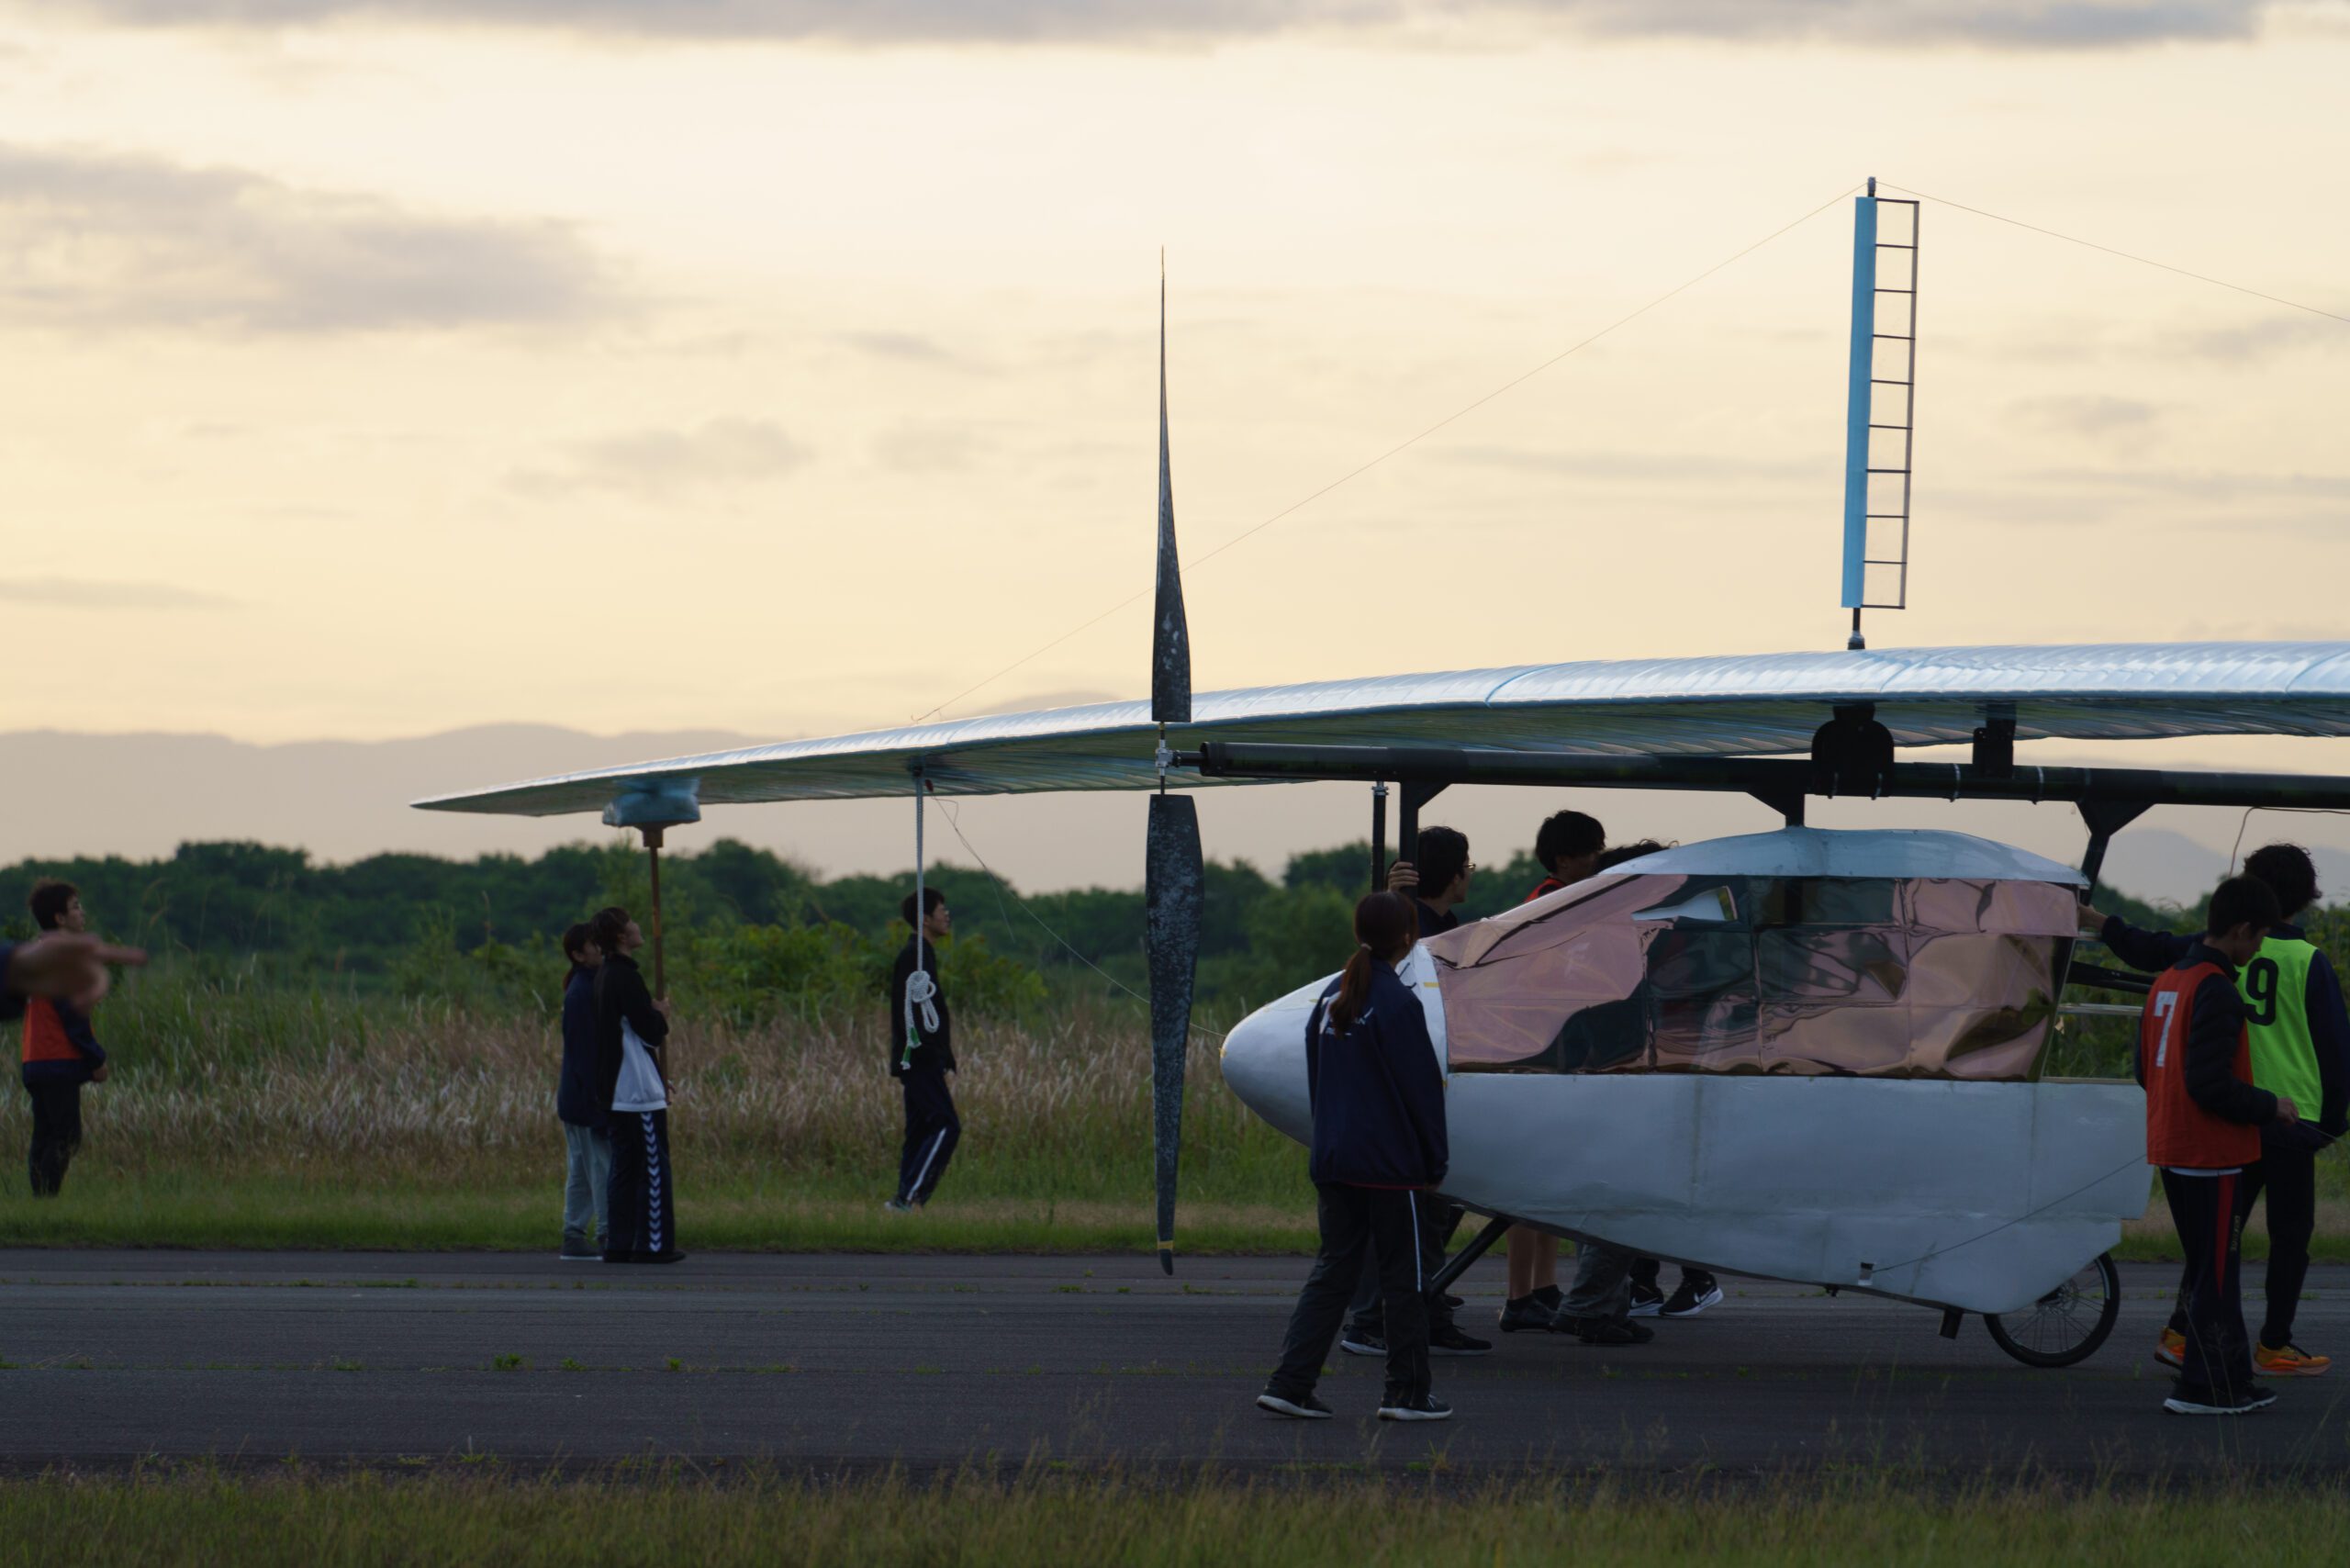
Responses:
[1806,1055]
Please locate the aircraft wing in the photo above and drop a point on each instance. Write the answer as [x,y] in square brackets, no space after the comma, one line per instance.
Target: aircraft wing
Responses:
[1728,705]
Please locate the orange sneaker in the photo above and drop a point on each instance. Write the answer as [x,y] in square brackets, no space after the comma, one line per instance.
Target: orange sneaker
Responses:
[2290,1361]
[2171,1349]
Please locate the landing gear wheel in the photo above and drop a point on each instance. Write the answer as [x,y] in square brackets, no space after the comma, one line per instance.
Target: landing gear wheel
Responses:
[2068,1324]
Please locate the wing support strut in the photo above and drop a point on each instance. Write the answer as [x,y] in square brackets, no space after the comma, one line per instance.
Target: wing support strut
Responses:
[1423,770]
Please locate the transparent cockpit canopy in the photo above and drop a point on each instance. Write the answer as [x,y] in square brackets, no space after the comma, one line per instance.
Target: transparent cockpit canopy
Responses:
[1748,971]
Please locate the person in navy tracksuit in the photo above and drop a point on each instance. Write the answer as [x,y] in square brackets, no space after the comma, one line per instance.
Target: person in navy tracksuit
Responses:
[922,1059]
[1379,1145]
[641,1203]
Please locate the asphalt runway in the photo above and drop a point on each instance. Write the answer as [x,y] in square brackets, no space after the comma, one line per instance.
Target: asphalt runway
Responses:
[852,1363]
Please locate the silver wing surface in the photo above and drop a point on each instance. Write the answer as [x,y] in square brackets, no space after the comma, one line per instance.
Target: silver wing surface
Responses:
[1730,706]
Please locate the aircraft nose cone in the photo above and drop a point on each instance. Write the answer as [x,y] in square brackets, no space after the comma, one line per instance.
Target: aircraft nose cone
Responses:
[1264,1061]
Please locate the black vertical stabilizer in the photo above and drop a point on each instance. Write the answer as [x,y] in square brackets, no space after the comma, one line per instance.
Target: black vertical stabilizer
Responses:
[1171,637]
[1173,881]
[1173,886]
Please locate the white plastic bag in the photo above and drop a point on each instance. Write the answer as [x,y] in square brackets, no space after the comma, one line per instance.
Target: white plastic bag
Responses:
[639,1087]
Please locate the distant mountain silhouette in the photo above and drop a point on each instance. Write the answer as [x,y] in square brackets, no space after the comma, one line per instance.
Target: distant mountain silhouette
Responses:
[141,795]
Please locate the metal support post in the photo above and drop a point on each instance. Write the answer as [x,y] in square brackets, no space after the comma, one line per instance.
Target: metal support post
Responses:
[1378,836]
[1478,1245]
[1416,793]
[653,837]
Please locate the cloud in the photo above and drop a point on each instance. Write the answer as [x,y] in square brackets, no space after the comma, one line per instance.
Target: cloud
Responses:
[73,593]
[2090,416]
[928,448]
[2207,486]
[718,454]
[1651,468]
[103,239]
[910,346]
[2011,24]
[2264,338]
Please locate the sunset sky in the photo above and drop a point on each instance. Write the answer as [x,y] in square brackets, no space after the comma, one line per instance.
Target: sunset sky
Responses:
[785,367]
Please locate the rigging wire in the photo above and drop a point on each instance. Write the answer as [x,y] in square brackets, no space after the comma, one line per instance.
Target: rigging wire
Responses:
[2245,820]
[996,884]
[1361,469]
[2125,255]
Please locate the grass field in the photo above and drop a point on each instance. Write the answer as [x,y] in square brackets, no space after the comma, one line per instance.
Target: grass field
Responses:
[279,1119]
[1042,1518]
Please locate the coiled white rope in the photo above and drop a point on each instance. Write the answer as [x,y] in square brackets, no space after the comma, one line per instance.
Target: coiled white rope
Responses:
[921,991]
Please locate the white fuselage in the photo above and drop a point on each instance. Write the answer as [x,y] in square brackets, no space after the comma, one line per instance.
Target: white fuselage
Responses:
[1976,1195]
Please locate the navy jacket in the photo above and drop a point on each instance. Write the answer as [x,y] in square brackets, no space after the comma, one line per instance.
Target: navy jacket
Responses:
[574,1091]
[1433,921]
[620,992]
[11,1004]
[1377,1092]
[2322,1005]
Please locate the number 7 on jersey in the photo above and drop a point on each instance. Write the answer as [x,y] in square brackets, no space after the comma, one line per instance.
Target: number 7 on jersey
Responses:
[2166,1013]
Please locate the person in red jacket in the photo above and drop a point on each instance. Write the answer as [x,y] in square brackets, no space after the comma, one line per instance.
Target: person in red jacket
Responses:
[2203,1122]
[60,1053]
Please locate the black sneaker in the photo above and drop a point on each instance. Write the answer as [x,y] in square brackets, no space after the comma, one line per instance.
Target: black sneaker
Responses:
[1305,1407]
[1526,1313]
[2197,1402]
[1647,1300]
[575,1250]
[1454,1303]
[1696,1293]
[671,1257]
[1447,1339]
[1607,1330]
[1362,1343]
[1425,1408]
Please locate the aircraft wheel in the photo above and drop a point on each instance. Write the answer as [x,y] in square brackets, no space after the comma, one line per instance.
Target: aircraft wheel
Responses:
[2066,1325]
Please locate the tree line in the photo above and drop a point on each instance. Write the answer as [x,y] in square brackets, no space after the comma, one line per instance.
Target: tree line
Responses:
[749,932]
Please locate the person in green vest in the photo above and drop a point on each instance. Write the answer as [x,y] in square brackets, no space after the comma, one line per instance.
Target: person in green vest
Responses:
[2301,1049]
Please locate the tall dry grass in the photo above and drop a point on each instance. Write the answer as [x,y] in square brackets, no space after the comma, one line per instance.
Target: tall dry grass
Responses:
[311,1084]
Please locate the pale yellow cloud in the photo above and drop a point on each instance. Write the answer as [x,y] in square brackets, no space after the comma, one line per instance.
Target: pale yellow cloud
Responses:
[801,387]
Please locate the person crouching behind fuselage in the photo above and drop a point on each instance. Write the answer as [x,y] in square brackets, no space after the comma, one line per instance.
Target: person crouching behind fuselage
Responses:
[1567,845]
[1379,1144]
[586,1131]
[641,1203]
[921,1052]
[61,1054]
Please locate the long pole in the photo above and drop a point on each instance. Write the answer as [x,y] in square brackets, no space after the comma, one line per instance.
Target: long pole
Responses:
[660,971]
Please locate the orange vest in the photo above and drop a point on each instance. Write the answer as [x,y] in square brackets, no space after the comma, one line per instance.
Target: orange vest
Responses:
[45,1033]
[2179,1131]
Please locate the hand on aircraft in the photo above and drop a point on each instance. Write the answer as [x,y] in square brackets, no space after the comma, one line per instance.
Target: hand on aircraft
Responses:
[2286,1111]
[1402,877]
[67,964]
[660,1005]
[98,1073]
[2092,919]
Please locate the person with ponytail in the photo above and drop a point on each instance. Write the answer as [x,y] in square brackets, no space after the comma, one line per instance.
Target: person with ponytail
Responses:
[1379,1145]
